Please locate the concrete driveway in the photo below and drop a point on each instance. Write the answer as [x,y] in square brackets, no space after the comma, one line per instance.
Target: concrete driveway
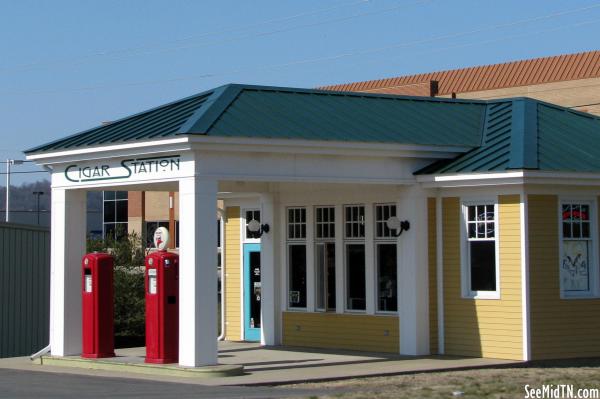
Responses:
[279,365]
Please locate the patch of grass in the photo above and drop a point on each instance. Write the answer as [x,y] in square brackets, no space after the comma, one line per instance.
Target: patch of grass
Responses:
[489,383]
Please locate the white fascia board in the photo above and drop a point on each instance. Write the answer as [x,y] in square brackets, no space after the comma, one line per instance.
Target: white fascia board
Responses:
[295,146]
[509,177]
[111,151]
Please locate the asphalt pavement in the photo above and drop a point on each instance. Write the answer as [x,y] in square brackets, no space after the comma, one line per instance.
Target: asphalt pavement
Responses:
[34,384]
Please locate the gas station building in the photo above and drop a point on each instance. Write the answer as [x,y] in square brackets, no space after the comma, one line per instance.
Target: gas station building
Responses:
[370,222]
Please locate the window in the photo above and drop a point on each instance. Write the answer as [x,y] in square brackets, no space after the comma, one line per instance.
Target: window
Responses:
[297,257]
[481,270]
[252,214]
[296,223]
[385,256]
[355,221]
[382,214]
[115,214]
[354,234]
[325,257]
[578,272]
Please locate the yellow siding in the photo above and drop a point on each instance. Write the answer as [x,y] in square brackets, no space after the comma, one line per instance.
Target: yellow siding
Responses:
[560,328]
[432,242]
[341,331]
[232,274]
[490,327]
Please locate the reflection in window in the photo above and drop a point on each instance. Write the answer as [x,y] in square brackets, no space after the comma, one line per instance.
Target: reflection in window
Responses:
[325,270]
[387,295]
[251,215]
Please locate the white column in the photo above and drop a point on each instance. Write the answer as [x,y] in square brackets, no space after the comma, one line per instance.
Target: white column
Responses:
[310,259]
[413,290]
[370,295]
[197,272]
[340,292]
[68,232]
[268,276]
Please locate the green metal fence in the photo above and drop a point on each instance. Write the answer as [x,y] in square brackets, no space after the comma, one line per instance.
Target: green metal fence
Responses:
[24,289]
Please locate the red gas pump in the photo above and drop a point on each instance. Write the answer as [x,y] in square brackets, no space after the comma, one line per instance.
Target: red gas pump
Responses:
[162,306]
[97,306]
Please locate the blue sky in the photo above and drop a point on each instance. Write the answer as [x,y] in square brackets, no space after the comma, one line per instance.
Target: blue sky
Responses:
[69,65]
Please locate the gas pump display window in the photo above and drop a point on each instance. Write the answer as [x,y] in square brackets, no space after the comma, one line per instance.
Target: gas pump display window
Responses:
[88,280]
[152,281]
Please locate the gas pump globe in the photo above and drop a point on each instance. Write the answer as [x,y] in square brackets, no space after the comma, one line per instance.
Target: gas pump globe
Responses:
[161,238]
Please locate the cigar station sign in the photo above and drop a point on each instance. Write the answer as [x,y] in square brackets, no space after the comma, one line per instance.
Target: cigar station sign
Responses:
[130,169]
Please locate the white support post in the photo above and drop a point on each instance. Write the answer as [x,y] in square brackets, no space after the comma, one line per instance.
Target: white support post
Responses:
[370,291]
[197,272]
[310,259]
[340,292]
[68,232]
[413,298]
[268,275]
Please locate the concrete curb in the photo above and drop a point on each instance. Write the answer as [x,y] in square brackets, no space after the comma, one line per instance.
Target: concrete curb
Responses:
[221,370]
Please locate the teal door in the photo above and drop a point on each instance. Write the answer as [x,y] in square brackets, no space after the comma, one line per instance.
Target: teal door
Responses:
[252,294]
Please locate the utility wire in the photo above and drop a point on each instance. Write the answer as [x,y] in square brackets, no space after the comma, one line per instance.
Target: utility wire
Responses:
[338,56]
[25,172]
[148,49]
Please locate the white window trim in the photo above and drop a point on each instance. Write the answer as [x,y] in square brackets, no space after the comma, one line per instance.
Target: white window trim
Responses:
[467,293]
[594,291]
[245,239]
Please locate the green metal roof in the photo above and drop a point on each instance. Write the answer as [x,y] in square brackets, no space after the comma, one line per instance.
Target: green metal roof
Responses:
[508,134]
[287,113]
[526,134]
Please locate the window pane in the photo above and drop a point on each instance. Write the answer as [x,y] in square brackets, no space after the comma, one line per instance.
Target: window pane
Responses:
[483,265]
[355,270]
[320,275]
[490,229]
[325,275]
[567,229]
[574,270]
[585,230]
[330,257]
[121,195]
[566,212]
[109,230]
[387,299]
[297,262]
[575,212]
[585,212]
[472,230]
[109,195]
[576,230]
[121,211]
[471,215]
[109,212]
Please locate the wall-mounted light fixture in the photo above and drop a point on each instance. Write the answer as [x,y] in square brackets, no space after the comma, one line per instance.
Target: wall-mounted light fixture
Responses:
[254,226]
[393,223]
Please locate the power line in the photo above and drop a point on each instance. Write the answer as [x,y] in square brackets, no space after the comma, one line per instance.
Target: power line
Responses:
[341,55]
[24,172]
[134,51]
